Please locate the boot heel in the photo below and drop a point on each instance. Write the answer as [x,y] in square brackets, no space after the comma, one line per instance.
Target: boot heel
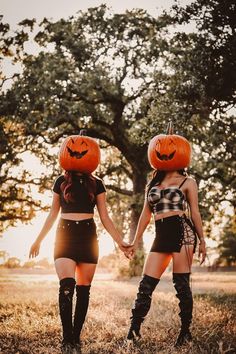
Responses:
[183,338]
[133,334]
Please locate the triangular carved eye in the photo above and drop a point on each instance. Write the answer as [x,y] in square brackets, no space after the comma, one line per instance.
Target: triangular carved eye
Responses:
[171,155]
[84,142]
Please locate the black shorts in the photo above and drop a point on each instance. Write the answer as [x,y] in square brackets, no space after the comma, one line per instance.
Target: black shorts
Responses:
[77,240]
[172,233]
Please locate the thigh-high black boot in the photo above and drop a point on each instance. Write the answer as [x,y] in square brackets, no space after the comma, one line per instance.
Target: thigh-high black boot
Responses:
[66,292]
[142,304]
[184,294]
[81,308]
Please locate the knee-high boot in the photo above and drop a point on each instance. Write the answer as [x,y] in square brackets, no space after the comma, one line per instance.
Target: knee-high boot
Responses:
[81,308]
[184,294]
[142,304]
[66,292]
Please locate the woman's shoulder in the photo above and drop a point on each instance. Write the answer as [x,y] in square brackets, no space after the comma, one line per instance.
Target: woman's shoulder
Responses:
[60,178]
[98,179]
[190,181]
[100,185]
[57,184]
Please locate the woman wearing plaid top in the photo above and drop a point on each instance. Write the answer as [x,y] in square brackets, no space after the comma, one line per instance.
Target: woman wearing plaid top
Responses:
[167,196]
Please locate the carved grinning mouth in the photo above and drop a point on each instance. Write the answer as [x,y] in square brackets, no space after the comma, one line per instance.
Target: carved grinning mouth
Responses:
[165,157]
[77,154]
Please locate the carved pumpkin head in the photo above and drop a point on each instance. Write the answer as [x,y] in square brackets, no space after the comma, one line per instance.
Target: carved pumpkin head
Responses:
[169,152]
[79,153]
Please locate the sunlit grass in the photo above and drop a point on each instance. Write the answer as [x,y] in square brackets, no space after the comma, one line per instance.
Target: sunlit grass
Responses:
[30,322]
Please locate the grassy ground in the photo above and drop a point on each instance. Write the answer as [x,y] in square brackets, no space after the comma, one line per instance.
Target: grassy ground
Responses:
[30,323]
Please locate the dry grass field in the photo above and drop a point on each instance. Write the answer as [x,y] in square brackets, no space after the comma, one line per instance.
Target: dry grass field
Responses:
[30,322]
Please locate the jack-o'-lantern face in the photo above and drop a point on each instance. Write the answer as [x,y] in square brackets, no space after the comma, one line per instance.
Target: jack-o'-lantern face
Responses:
[169,152]
[79,153]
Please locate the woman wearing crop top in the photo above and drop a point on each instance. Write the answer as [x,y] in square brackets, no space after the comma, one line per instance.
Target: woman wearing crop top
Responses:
[167,196]
[76,246]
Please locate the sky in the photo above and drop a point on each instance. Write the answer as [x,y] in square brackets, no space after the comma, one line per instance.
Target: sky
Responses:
[16,241]
[15,11]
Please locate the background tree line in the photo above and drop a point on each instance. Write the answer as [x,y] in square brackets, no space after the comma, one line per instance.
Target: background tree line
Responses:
[123,77]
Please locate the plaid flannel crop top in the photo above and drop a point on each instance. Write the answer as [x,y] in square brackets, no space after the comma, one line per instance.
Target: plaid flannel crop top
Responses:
[168,199]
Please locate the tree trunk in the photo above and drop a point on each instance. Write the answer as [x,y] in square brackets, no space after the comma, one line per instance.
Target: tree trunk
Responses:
[139,183]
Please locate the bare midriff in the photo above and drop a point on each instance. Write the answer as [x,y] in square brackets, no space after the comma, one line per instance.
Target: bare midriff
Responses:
[167,214]
[77,216]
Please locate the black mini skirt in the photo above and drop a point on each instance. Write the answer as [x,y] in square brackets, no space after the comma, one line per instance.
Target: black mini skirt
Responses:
[77,240]
[172,233]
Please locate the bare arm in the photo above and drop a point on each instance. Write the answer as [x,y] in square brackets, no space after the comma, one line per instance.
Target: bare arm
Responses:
[108,223]
[142,223]
[192,198]
[55,207]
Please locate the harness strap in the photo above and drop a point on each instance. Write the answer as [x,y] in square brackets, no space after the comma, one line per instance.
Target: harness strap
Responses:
[183,182]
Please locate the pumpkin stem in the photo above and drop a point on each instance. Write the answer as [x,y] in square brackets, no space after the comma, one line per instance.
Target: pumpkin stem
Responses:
[170,129]
[83,132]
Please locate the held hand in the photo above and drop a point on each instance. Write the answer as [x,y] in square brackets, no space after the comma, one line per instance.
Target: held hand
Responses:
[130,253]
[202,251]
[34,250]
[123,246]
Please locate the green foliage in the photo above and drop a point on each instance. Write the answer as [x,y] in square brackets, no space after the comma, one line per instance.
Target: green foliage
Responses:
[16,201]
[227,246]
[116,174]
[136,264]
[12,262]
[121,267]
[214,47]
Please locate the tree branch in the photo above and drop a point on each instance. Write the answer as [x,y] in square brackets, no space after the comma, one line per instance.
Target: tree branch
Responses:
[119,190]
[8,78]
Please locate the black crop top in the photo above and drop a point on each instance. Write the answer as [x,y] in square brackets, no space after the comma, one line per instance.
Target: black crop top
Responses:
[82,204]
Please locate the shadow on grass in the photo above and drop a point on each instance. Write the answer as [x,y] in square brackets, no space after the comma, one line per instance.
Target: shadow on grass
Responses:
[226,300]
[40,343]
